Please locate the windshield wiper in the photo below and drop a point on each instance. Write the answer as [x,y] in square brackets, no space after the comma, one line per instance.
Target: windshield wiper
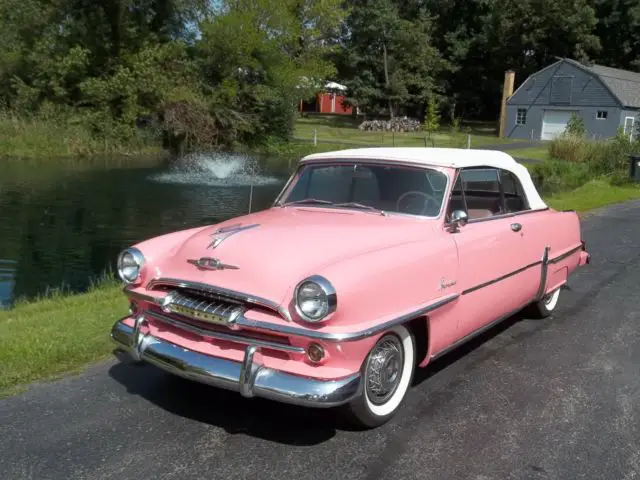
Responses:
[308,200]
[360,205]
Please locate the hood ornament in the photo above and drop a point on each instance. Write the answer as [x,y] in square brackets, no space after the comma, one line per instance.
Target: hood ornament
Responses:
[223,233]
[209,263]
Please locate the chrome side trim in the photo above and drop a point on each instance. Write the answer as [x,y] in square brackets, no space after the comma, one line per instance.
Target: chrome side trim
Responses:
[243,322]
[347,336]
[248,377]
[543,274]
[244,297]
[231,337]
[499,279]
[566,254]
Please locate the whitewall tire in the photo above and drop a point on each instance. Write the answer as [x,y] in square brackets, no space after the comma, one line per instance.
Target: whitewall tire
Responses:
[545,307]
[387,373]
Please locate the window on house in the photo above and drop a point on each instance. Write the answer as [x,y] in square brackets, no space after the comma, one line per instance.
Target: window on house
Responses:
[602,115]
[521,116]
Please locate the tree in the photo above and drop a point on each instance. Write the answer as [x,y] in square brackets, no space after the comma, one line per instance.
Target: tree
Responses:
[259,58]
[388,60]
[432,117]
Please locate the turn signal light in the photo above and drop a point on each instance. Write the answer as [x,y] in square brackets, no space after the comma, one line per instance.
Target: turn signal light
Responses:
[315,352]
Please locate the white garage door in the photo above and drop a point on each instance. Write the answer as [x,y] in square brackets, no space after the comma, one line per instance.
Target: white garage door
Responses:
[554,122]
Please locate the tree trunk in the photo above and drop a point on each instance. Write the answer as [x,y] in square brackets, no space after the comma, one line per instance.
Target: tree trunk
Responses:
[386,76]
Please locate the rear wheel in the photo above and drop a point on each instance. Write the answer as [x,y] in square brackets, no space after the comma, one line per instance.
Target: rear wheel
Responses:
[387,374]
[545,307]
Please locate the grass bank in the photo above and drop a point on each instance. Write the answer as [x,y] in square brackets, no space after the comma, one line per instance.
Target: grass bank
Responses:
[37,137]
[45,338]
[593,194]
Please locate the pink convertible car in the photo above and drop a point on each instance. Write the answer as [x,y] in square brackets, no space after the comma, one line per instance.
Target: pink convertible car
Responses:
[370,263]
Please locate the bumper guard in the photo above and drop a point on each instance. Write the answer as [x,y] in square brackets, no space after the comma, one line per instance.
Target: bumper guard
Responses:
[248,377]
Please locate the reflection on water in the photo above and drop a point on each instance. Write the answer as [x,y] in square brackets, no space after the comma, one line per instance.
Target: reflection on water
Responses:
[63,222]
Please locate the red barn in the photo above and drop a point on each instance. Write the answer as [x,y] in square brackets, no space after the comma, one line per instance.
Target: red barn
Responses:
[328,100]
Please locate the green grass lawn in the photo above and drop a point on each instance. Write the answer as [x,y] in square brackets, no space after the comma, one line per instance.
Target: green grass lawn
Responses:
[593,194]
[533,153]
[344,129]
[49,337]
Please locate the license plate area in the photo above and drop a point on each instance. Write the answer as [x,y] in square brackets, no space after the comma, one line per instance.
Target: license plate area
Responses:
[200,315]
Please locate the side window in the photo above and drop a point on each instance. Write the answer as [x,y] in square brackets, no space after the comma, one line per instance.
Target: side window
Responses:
[481,192]
[514,198]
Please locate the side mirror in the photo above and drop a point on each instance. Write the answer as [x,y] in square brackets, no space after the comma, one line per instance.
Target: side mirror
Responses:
[459,219]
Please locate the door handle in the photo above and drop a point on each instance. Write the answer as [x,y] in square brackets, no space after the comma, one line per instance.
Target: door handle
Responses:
[516,227]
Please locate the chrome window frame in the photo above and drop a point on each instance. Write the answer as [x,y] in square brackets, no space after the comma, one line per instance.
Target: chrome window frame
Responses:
[371,161]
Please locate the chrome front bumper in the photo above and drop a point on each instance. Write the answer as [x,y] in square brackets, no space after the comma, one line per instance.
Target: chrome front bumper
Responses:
[248,377]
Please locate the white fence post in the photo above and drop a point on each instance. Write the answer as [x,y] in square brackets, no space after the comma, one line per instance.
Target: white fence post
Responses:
[315,136]
[468,141]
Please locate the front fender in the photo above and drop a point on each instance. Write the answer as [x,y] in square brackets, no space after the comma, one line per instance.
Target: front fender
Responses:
[376,286]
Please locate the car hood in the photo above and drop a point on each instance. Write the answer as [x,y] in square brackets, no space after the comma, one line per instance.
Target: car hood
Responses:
[286,245]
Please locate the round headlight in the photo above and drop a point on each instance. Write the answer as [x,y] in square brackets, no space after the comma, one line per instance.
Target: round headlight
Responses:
[315,298]
[130,263]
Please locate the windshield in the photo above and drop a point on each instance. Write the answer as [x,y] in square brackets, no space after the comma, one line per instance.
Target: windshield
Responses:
[382,188]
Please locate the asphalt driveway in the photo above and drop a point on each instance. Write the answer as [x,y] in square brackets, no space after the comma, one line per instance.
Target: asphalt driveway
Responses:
[531,399]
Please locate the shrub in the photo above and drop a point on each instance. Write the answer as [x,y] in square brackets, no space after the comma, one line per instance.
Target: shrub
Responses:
[575,126]
[576,160]
[556,176]
[569,148]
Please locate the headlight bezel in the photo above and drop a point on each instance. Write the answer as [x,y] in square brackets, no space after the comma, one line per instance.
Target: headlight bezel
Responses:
[330,295]
[139,259]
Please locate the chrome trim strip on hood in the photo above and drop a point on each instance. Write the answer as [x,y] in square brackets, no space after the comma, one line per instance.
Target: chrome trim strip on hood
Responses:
[225,292]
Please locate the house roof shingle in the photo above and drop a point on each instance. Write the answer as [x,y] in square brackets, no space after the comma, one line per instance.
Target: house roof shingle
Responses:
[624,84]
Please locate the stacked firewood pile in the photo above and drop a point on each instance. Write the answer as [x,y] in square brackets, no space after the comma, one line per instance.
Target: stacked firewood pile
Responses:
[398,124]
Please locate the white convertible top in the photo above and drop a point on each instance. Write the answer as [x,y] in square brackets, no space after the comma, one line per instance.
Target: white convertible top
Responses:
[441,157]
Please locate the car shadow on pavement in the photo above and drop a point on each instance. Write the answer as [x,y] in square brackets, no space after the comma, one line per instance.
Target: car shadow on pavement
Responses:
[269,420]
[265,419]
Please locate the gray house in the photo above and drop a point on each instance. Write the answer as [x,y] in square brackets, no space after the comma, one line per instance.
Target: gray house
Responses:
[604,97]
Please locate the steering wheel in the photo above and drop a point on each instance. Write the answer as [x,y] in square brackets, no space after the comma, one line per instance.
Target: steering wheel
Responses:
[425,203]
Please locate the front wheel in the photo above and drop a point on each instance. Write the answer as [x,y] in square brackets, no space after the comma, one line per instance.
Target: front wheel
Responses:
[387,373]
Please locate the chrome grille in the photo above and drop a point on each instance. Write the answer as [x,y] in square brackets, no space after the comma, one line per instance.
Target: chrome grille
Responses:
[217,312]
[218,294]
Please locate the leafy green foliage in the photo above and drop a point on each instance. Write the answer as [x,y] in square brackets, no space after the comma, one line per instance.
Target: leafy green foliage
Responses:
[576,160]
[217,74]
[575,126]
[432,117]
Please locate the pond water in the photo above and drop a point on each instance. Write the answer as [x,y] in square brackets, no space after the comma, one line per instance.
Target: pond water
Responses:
[63,221]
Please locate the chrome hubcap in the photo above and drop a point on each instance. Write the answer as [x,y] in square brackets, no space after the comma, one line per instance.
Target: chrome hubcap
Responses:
[384,369]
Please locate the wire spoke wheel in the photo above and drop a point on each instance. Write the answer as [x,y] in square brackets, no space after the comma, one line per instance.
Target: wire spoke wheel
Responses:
[387,372]
[384,370]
